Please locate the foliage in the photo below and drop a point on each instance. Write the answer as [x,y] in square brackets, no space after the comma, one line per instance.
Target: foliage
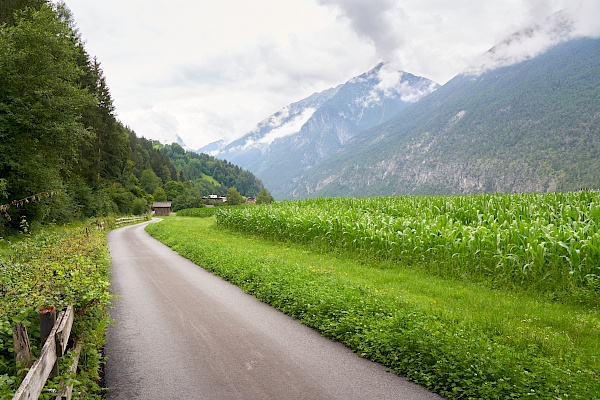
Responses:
[210,175]
[9,7]
[40,104]
[149,180]
[139,207]
[454,337]
[191,198]
[173,189]
[203,212]
[160,194]
[61,267]
[544,242]
[234,197]
[264,197]
[21,202]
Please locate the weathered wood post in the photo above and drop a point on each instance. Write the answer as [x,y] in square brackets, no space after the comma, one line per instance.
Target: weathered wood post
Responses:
[47,321]
[54,346]
[22,348]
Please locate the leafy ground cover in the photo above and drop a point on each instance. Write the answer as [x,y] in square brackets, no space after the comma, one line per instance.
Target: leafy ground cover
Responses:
[197,212]
[458,338]
[57,266]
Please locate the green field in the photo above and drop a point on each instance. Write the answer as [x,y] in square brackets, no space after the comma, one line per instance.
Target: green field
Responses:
[448,291]
[197,212]
[548,243]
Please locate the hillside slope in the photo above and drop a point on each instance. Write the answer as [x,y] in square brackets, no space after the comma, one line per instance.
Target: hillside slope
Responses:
[306,133]
[531,126]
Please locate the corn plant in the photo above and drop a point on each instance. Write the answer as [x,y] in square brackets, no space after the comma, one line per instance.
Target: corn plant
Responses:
[541,241]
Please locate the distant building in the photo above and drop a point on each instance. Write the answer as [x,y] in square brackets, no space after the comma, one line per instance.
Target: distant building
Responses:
[250,200]
[215,199]
[162,208]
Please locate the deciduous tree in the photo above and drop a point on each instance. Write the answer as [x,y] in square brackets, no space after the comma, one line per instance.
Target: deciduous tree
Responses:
[234,197]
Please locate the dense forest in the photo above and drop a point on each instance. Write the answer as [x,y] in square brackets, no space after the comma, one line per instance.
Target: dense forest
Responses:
[64,154]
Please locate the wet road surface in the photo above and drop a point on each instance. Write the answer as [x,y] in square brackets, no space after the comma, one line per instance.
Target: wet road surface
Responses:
[182,333]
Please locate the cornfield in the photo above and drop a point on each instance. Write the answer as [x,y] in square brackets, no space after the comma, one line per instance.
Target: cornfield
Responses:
[543,241]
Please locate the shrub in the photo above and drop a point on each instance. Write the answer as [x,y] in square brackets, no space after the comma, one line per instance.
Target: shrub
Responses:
[139,207]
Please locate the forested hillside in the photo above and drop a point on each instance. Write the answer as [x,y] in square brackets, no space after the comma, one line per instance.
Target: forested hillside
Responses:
[201,174]
[532,126]
[63,153]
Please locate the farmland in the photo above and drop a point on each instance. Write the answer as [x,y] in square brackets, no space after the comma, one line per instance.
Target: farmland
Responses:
[491,296]
[548,243]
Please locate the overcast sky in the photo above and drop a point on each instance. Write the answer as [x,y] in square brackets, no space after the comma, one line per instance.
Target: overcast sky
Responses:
[212,69]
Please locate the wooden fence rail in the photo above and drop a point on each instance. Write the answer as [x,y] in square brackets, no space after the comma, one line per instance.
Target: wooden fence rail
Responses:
[126,220]
[53,348]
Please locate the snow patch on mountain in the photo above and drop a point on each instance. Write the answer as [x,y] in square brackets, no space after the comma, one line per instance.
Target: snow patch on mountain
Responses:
[392,84]
[281,126]
[170,139]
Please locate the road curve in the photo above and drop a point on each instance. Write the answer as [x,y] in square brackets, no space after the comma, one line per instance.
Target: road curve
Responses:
[182,333]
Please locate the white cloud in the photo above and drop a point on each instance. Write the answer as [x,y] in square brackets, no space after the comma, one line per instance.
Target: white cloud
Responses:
[290,128]
[209,70]
[569,23]
[393,84]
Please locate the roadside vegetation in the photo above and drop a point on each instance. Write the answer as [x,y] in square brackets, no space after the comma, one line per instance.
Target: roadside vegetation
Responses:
[491,297]
[57,266]
[202,212]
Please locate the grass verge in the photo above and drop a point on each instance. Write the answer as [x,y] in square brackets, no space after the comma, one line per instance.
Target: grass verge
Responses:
[458,339]
[57,266]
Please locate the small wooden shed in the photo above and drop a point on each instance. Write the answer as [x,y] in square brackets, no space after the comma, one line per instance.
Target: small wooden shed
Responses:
[162,208]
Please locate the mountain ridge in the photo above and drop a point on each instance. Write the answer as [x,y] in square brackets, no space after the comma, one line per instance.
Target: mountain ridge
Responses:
[303,134]
[545,135]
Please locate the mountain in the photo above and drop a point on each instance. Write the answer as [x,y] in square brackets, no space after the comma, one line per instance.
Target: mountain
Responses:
[529,125]
[170,139]
[303,135]
[212,148]
[250,150]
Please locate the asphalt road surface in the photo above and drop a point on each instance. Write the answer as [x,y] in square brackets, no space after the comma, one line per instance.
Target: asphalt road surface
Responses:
[183,333]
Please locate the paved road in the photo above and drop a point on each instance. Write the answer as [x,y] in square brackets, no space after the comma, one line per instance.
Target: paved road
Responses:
[182,333]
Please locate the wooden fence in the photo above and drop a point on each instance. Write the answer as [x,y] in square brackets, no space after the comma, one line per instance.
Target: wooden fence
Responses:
[54,347]
[127,220]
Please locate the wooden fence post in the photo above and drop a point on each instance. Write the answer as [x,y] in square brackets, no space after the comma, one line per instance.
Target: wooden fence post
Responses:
[21,345]
[47,321]
[54,346]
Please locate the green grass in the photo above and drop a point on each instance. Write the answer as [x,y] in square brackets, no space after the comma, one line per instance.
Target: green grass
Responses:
[57,266]
[197,212]
[210,180]
[458,338]
[548,243]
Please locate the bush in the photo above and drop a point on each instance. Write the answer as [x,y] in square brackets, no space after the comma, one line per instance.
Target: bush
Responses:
[60,267]
[139,207]
[186,201]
